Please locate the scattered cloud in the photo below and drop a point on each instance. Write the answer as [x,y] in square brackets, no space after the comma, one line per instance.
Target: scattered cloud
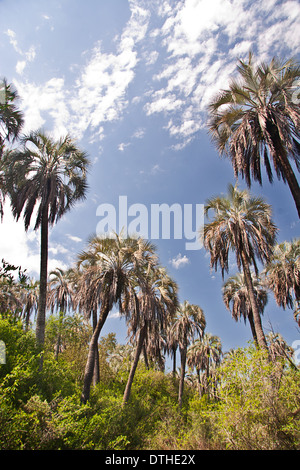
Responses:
[29,55]
[195,36]
[116,314]
[123,146]
[139,133]
[74,238]
[179,261]
[156,169]
[192,54]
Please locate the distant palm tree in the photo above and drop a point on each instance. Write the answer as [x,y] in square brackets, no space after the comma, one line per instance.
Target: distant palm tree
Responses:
[60,292]
[203,354]
[256,121]
[171,344]
[236,298]
[60,298]
[279,348]
[49,176]
[241,224]
[156,304]
[189,322]
[283,274]
[112,268]
[11,123]
[30,300]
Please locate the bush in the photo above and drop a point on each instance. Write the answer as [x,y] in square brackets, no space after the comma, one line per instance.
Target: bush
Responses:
[259,405]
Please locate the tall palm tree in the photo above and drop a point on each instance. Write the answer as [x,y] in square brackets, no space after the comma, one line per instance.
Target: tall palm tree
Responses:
[156,304]
[283,274]
[49,176]
[241,224]
[256,122]
[190,321]
[11,123]
[112,269]
[236,298]
[203,354]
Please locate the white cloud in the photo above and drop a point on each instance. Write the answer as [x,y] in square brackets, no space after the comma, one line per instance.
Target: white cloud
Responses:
[139,133]
[29,55]
[99,92]
[194,67]
[21,64]
[197,47]
[51,98]
[74,238]
[116,314]
[123,146]
[23,249]
[179,261]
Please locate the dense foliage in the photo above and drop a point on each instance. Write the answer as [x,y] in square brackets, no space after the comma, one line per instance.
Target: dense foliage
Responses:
[253,404]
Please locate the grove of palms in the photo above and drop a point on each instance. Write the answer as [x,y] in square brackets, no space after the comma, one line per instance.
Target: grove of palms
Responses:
[255,122]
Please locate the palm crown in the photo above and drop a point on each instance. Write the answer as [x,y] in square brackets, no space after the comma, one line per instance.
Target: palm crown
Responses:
[48,174]
[256,122]
[243,224]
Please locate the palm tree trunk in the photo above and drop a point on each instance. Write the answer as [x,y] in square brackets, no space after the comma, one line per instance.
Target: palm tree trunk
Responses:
[256,315]
[41,315]
[199,382]
[90,363]
[174,362]
[138,351]
[291,180]
[182,375]
[252,326]
[96,374]
[145,356]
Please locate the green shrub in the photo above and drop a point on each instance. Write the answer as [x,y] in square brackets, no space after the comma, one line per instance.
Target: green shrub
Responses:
[259,405]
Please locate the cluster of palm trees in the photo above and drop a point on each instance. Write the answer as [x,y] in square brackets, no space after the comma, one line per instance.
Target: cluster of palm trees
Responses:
[255,123]
[125,271]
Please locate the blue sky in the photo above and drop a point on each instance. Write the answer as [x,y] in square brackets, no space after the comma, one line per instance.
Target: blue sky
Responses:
[130,81]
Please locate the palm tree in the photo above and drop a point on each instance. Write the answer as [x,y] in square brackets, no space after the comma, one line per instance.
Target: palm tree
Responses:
[256,122]
[236,298]
[203,354]
[30,300]
[283,274]
[60,298]
[190,321]
[279,349]
[11,123]
[112,269]
[241,224]
[172,344]
[60,292]
[49,176]
[156,304]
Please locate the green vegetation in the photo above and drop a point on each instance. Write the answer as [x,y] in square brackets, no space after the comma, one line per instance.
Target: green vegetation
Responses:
[63,386]
[248,402]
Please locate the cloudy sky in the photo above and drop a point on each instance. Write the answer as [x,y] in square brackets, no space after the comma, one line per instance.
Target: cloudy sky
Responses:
[130,80]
